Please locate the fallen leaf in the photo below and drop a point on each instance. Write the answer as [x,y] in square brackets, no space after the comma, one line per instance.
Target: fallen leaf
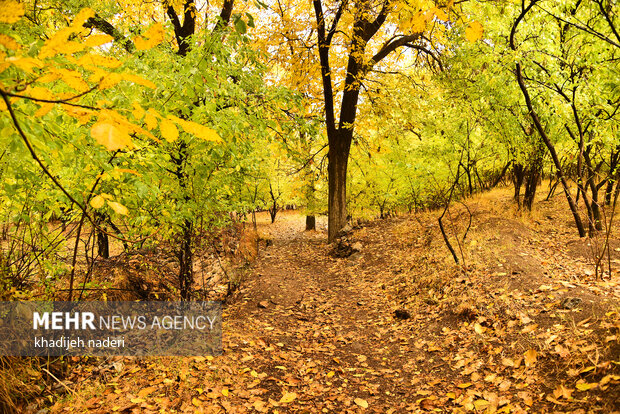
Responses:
[288,397]
[530,357]
[585,386]
[362,403]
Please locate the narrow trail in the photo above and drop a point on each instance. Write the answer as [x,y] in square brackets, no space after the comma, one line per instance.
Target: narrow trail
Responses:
[321,325]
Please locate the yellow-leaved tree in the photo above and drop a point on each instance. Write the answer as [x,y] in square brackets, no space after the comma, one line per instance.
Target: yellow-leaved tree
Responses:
[329,49]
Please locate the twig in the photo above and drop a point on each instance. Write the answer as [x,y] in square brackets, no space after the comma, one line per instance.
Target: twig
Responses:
[63,384]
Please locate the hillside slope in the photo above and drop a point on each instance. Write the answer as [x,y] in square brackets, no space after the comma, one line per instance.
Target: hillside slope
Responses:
[519,325]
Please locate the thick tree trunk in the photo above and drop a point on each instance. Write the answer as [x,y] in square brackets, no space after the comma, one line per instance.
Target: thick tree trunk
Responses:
[337,200]
[103,245]
[310,223]
[531,183]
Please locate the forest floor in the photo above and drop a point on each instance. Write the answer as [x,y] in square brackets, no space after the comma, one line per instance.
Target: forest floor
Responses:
[520,325]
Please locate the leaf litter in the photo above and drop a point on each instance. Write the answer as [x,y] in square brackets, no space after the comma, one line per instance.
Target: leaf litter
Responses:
[490,335]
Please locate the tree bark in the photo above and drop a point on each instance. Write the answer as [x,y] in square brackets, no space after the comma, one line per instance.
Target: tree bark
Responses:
[518,172]
[186,274]
[337,178]
[310,223]
[531,183]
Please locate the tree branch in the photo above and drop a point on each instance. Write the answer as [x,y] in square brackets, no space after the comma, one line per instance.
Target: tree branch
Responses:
[102,25]
[328,92]
[390,46]
[225,14]
[332,29]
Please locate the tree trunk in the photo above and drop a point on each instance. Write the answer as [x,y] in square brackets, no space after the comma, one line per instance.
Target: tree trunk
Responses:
[103,245]
[337,200]
[186,275]
[273,211]
[531,182]
[103,242]
[310,223]
[518,173]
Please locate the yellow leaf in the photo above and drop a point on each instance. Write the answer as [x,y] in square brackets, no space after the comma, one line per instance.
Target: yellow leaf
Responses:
[10,11]
[70,48]
[530,357]
[98,60]
[48,77]
[150,119]
[8,42]
[481,404]
[529,328]
[168,130]
[259,406]
[362,403]
[145,391]
[25,64]
[137,400]
[137,112]
[196,402]
[288,397]
[441,15]
[479,328]
[465,385]
[81,18]
[138,80]
[98,40]
[40,93]
[198,130]
[474,31]
[55,44]
[418,23]
[110,136]
[44,109]
[109,80]
[225,392]
[586,386]
[330,374]
[73,79]
[97,201]
[152,37]
[82,115]
[103,103]
[562,391]
[118,208]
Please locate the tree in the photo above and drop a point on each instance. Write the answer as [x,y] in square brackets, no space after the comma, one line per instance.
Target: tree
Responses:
[352,39]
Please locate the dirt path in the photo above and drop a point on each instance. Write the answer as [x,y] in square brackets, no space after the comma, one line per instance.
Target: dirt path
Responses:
[323,327]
